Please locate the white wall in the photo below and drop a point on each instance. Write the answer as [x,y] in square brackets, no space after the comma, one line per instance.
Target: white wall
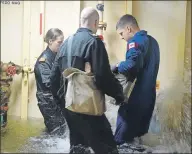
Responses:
[165,20]
[11,47]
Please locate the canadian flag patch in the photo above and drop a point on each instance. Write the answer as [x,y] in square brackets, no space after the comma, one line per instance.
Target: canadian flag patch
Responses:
[132,45]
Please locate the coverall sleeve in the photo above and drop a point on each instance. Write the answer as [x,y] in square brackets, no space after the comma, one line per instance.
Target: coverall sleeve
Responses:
[45,71]
[105,80]
[55,76]
[134,60]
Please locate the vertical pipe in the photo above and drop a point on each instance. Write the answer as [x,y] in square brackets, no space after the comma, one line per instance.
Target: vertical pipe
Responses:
[181,45]
[129,6]
[126,7]
[25,57]
[100,30]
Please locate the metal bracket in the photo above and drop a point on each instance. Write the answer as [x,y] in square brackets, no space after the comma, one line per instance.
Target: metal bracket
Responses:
[26,71]
[102,25]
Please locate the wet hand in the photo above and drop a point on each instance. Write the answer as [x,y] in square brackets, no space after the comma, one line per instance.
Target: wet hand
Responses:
[121,103]
[114,68]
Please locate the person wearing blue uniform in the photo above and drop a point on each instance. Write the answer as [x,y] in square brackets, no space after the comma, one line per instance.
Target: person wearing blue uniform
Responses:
[50,107]
[142,63]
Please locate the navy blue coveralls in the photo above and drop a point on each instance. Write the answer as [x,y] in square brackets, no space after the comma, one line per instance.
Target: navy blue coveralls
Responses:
[50,107]
[134,117]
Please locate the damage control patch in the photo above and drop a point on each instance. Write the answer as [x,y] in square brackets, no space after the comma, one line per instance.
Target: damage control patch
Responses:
[132,45]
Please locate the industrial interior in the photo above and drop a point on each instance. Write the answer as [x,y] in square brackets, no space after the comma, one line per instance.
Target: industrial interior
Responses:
[23,27]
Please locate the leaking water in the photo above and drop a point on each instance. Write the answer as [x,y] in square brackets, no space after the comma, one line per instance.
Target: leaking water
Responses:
[170,129]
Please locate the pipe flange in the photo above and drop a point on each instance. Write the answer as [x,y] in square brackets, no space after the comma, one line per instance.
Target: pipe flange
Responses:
[102,25]
[100,7]
[27,69]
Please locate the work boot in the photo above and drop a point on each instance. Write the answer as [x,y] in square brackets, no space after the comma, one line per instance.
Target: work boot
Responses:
[131,147]
[79,149]
[60,130]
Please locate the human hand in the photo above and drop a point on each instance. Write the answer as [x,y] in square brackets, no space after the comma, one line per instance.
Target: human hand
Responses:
[114,68]
[120,103]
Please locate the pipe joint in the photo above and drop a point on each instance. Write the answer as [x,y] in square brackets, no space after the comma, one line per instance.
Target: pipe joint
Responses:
[102,25]
[100,7]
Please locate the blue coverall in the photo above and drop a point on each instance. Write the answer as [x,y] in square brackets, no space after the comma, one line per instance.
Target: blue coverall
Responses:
[134,117]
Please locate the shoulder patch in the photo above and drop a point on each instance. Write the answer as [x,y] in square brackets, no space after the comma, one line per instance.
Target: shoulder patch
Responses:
[42,59]
[132,45]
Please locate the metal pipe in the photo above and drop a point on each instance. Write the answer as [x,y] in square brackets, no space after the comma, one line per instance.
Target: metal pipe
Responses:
[26,48]
[129,7]
[102,24]
[100,11]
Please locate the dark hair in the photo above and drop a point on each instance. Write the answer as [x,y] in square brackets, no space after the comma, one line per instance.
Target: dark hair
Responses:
[125,20]
[52,34]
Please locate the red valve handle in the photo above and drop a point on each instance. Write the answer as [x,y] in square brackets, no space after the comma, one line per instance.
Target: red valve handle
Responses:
[101,37]
[11,70]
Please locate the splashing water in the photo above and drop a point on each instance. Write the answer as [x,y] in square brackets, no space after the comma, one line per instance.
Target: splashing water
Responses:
[170,128]
[172,115]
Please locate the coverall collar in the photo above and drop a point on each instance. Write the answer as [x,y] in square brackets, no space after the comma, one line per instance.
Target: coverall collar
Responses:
[141,32]
[51,53]
[84,30]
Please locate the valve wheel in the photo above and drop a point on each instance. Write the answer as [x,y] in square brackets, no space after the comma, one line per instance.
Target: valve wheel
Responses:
[11,70]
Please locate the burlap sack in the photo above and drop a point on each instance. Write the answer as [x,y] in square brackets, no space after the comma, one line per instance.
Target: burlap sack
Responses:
[82,95]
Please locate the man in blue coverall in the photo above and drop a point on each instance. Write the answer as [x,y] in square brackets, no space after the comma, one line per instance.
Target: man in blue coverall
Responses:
[142,63]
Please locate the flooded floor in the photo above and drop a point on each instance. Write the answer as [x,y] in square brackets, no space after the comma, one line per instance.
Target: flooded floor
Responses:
[29,137]
[18,132]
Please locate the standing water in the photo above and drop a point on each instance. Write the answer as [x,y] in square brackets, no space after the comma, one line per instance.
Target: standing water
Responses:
[170,129]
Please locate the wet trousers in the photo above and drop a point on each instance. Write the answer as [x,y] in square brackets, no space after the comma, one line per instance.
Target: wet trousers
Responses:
[90,131]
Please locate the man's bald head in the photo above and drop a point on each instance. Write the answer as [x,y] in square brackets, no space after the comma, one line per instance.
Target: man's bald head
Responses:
[90,19]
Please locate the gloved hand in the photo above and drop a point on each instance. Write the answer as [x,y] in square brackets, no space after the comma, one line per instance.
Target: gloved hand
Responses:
[114,68]
[120,103]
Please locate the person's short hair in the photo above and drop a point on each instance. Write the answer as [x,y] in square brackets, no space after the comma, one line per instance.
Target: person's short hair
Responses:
[52,34]
[125,20]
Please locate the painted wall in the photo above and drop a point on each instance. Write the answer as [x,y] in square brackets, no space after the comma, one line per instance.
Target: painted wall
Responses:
[36,47]
[11,47]
[188,44]
[59,18]
[11,28]
[165,20]
[167,25]
[113,10]
[65,17]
